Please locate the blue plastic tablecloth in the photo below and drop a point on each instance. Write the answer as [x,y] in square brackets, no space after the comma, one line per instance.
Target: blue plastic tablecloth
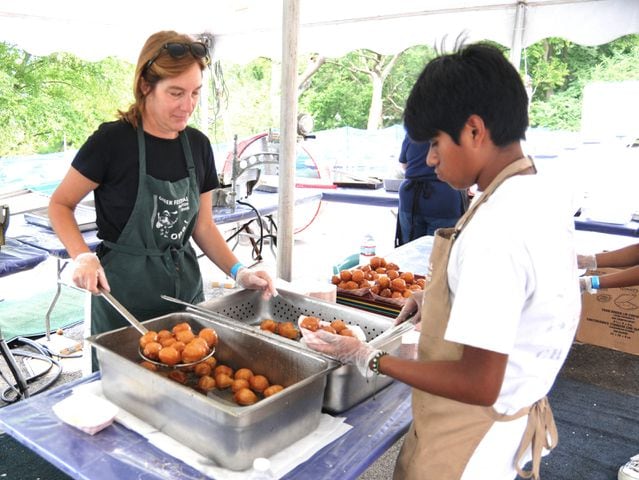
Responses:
[118,452]
[16,257]
[362,196]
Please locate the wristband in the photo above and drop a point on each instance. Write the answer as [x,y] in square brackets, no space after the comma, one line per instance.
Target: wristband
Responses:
[236,268]
[374,363]
[594,281]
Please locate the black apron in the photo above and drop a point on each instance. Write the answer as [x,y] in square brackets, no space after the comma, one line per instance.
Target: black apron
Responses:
[153,255]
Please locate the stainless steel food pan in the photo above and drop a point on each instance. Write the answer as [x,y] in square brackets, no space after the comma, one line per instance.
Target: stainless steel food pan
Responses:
[213,424]
[345,386]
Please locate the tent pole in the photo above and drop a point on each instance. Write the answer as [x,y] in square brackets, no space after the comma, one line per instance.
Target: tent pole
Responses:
[518,34]
[288,138]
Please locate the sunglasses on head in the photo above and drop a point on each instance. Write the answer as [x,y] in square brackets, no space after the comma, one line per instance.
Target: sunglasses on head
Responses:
[178,50]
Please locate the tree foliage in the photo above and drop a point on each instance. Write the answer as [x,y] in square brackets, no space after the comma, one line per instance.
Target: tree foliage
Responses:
[47,101]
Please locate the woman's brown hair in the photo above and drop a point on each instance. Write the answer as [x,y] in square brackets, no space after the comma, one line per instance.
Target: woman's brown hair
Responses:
[163,66]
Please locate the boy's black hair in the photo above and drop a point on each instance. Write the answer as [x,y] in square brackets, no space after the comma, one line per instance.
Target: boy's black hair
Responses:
[477,79]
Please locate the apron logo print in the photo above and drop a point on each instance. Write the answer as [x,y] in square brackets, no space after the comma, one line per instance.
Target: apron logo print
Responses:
[169,216]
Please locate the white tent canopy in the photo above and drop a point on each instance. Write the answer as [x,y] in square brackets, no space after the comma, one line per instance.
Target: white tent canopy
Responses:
[246,29]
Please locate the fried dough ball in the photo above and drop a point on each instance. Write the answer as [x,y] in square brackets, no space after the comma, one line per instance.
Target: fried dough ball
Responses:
[310,323]
[408,277]
[202,369]
[392,266]
[206,383]
[245,396]
[200,341]
[178,376]
[209,335]
[193,352]
[184,336]
[164,334]
[223,369]
[212,361]
[421,282]
[377,262]
[407,293]
[149,366]
[179,346]
[357,276]
[380,270]
[269,325]
[335,279]
[238,384]
[398,284]
[259,383]
[288,330]
[180,327]
[392,274]
[397,294]
[223,380]
[243,373]
[385,292]
[169,356]
[346,332]
[148,337]
[168,341]
[151,350]
[345,275]
[375,289]
[328,328]
[272,390]
[351,285]
[384,281]
[338,325]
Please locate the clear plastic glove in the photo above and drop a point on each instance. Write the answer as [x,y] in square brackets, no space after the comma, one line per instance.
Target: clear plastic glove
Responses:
[589,262]
[345,349]
[89,274]
[412,309]
[256,280]
[585,284]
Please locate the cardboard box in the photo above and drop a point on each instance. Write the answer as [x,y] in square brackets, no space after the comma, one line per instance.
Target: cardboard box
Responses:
[610,317]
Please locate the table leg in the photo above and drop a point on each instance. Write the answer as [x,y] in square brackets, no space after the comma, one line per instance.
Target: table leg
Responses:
[47,318]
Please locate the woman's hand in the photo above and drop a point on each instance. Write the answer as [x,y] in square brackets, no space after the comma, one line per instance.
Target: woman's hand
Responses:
[256,280]
[89,274]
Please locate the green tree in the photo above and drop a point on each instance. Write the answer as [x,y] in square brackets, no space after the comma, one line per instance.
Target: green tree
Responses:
[560,69]
[49,101]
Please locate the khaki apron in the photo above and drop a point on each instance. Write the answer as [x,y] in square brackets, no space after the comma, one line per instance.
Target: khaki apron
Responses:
[445,433]
[152,255]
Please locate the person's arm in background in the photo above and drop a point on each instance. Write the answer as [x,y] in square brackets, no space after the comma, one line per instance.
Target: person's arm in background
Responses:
[620,258]
[403,161]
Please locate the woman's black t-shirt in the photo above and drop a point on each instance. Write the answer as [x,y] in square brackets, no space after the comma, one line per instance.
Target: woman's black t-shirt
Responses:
[109,157]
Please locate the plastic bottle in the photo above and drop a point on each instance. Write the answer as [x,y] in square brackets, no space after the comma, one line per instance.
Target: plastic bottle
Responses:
[262,469]
[366,249]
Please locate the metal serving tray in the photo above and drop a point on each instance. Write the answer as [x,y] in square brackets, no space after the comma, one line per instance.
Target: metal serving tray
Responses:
[345,386]
[212,424]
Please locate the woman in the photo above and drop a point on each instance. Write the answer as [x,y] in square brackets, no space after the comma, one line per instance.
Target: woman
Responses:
[152,178]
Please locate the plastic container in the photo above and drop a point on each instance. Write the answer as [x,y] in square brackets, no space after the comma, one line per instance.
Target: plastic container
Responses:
[261,470]
[367,249]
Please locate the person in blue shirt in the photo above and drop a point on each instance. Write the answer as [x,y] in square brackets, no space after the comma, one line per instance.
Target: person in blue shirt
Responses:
[425,202]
